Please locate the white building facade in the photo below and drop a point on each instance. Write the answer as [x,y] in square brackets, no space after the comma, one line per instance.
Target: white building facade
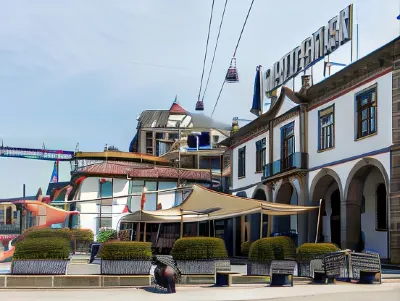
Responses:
[336,142]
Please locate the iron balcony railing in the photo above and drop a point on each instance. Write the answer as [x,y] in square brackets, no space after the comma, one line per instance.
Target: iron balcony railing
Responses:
[293,161]
[10,229]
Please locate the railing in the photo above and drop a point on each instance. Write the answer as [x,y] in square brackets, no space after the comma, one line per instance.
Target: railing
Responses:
[294,161]
[10,229]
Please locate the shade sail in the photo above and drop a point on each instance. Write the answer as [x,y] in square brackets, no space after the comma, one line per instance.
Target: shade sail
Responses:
[204,204]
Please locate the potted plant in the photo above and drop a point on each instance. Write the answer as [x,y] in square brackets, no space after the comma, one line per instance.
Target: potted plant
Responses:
[200,255]
[125,258]
[264,250]
[309,251]
[41,256]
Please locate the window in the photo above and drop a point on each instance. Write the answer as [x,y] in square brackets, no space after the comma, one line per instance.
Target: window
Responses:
[366,113]
[105,188]
[260,154]
[242,162]
[381,210]
[287,146]
[326,128]
[149,143]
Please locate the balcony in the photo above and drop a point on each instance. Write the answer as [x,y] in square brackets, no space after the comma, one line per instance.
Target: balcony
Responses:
[10,229]
[293,162]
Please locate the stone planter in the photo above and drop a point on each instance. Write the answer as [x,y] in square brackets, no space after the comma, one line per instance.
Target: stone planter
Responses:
[39,267]
[125,267]
[196,267]
[258,268]
[223,265]
[83,246]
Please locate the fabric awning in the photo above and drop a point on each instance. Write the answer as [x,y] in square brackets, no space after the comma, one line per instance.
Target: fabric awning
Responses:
[203,204]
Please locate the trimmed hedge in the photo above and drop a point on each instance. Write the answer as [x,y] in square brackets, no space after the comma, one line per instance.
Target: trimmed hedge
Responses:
[261,251]
[82,234]
[310,251]
[106,235]
[282,248]
[49,233]
[199,248]
[245,247]
[124,250]
[42,248]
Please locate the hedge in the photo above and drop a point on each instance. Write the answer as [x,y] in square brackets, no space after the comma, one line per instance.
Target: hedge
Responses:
[106,235]
[310,251]
[42,248]
[282,247]
[126,250]
[199,248]
[124,235]
[49,233]
[261,251]
[82,234]
[245,247]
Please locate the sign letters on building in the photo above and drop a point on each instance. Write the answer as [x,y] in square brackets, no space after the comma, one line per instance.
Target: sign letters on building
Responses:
[323,42]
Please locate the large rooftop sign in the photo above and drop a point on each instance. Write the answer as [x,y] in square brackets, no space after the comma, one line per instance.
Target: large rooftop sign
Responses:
[323,42]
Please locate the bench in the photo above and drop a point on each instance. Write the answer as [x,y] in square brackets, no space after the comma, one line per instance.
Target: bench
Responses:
[282,272]
[224,278]
[365,267]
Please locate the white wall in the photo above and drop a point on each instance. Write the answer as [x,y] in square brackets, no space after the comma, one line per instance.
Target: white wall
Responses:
[286,106]
[88,191]
[251,176]
[374,240]
[345,117]
[277,136]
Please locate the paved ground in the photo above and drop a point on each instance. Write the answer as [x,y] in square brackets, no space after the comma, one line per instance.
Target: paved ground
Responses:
[342,292]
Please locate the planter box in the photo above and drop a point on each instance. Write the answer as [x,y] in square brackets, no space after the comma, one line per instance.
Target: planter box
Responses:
[39,267]
[258,268]
[196,267]
[125,267]
[223,265]
[83,246]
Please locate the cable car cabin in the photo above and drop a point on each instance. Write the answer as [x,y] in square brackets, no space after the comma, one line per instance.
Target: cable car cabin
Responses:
[232,75]
[199,105]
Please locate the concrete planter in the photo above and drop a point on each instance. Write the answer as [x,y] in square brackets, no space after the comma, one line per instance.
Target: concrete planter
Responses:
[223,265]
[83,246]
[258,268]
[39,267]
[196,267]
[125,267]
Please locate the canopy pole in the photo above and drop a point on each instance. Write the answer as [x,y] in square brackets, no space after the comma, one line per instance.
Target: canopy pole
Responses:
[158,233]
[214,226]
[261,222]
[209,226]
[319,220]
[181,231]
[144,233]
[138,232]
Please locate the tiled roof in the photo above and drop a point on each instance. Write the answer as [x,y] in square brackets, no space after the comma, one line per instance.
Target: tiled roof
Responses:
[153,118]
[135,170]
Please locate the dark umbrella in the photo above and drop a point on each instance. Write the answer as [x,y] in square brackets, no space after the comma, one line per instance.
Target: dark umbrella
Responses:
[169,261]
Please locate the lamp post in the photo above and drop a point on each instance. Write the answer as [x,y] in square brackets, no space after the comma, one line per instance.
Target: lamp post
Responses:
[197,134]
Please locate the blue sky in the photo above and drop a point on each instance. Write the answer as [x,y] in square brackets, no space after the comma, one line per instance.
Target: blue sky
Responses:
[80,71]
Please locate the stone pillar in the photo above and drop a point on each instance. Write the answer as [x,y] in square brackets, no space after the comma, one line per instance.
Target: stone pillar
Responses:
[326,227]
[270,198]
[302,218]
[350,212]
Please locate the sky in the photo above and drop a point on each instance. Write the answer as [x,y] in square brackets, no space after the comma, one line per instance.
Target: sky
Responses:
[81,71]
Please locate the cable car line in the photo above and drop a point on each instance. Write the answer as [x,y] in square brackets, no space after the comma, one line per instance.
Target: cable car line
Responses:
[215,49]
[199,104]
[231,75]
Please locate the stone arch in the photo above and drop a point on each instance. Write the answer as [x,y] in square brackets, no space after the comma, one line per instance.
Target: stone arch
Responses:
[358,232]
[362,164]
[322,173]
[261,193]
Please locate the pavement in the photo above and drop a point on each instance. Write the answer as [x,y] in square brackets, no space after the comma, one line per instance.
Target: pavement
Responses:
[342,292]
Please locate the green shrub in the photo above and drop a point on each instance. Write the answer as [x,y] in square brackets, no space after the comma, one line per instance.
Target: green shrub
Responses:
[42,248]
[126,250]
[310,251]
[106,235]
[48,233]
[261,251]
[245,247]
[82,234]
[199,248]
[282,248]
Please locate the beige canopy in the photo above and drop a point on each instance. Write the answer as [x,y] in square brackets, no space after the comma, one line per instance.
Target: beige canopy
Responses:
[203,204]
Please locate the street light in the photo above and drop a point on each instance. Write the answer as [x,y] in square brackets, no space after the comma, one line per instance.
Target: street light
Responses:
[197,134]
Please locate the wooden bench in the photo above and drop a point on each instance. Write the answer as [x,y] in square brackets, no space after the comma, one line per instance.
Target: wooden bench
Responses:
[282,272]
[224,278]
